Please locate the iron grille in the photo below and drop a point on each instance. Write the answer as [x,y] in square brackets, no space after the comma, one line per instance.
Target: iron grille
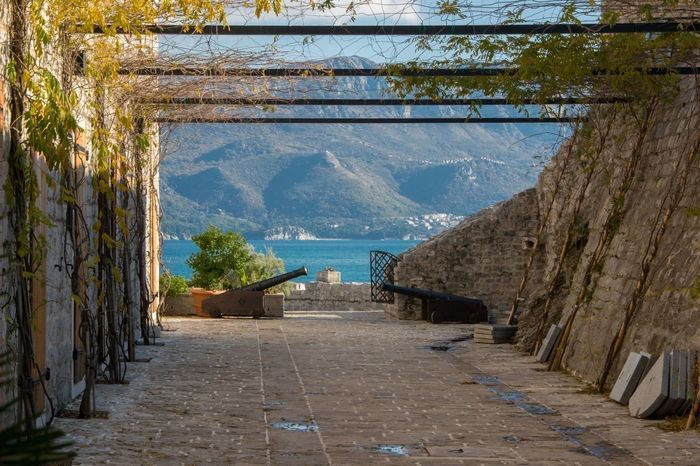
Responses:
[381,266]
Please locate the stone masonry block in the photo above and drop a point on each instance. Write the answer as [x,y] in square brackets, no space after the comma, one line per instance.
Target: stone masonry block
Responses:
[273,305]
[676,384]
[652,391]
[629,378]
[549,343]
[690,389]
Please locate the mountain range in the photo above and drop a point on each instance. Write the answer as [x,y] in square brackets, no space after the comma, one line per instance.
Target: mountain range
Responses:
[345,180]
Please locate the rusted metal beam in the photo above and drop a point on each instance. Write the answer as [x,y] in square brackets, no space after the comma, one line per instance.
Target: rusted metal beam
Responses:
[369,72]
[406,30]
[243,101]
[299,120]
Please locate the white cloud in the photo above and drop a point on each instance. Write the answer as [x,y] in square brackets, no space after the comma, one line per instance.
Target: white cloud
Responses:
[385,12]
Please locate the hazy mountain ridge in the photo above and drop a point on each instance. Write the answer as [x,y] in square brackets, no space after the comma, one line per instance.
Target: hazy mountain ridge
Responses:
[343,180]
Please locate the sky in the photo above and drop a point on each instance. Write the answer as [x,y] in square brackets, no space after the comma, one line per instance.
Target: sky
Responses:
[379,49]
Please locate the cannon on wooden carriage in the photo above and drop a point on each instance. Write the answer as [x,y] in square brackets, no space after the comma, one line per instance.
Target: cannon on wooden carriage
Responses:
[251,300]
[436,306]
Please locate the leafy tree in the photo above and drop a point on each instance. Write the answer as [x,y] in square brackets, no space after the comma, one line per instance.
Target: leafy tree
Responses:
[262,266]
[550,66]
[222,257]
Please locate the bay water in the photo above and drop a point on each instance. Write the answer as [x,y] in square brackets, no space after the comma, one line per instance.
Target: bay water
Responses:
[349,257]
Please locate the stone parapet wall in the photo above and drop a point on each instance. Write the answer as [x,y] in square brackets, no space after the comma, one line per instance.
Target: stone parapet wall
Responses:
[483,257]
[179,305]
[320,296]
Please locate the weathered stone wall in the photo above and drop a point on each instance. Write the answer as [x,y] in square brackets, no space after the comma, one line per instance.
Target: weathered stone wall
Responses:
[619,208]
[178,305]
[644,259]
[53,308]
[482,257]
[319,296]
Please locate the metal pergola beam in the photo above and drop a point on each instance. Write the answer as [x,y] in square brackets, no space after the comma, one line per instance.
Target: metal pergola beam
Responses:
[245,120]
[369,72]
[243,101]
[410,30]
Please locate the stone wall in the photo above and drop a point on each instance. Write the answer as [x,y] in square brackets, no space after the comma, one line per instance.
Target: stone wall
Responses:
[178,305]
[632,248]
[319,296]
[619,248]
[482,257]
[54,311]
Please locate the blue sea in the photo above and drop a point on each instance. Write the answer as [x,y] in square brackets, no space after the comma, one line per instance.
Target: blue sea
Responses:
[349,257]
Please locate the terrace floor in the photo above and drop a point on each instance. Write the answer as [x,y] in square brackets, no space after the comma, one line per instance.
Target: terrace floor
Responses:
[355,388]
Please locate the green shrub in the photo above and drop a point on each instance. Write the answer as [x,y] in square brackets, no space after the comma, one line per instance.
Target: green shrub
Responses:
[173,284]
[225,260]
[221,260]
[262,266]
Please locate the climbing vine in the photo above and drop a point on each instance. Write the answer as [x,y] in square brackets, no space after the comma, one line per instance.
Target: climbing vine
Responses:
[592,142]
[62,83]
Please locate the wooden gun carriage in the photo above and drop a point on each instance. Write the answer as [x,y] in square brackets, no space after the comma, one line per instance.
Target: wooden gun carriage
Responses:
[251,300]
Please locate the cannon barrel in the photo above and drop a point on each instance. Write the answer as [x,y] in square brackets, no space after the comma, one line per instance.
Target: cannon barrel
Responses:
[429,294]
[262,285]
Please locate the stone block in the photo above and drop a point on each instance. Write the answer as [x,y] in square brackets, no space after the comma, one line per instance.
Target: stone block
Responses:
[328,276]
[179,305]
[652,391]
[651,359]
[690,389]
[549,343]
[676,384]
[682,384]
[273,305]
[494,333]
[629,378]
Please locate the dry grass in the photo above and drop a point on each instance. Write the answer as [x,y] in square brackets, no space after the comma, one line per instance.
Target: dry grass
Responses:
[675,424]
[588,389]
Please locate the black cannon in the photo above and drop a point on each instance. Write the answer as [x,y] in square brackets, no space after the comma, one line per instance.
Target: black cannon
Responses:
[251,300]
[436,306]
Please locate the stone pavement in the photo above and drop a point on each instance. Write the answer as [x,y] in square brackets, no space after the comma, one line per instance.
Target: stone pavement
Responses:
[355,388]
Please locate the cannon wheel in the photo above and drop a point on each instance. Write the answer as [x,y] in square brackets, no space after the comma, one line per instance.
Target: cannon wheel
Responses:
[436,317]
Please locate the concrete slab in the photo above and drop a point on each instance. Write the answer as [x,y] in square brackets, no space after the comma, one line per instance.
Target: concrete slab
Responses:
[495,327]
[691,378]
[652,391]
[493,340]
[494,333]
[682,385]
[549,343]
[490,329]
[651,361]
[676,384]
[629,378]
